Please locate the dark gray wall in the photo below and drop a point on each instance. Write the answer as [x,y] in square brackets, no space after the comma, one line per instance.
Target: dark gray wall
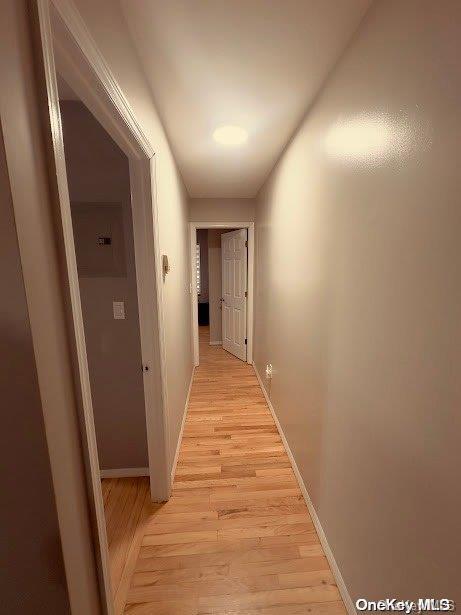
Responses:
[32,578]
[98,172]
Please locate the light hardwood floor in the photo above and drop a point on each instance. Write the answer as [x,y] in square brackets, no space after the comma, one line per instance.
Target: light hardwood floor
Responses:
[236,536]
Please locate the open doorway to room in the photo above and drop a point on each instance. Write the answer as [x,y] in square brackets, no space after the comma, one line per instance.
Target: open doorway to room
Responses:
[102,174]
[203,276]
[222,258]
[98,176]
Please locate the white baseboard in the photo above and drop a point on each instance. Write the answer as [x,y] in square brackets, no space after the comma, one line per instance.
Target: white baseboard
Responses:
[124,472]
[216,343]
[178,447]
[316,521]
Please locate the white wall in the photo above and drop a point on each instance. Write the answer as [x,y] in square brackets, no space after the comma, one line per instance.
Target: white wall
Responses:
[359,299]
[215,282]
[222,210]
[107,26]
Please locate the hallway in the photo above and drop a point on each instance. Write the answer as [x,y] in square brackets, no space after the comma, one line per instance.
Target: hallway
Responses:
[286,172]
[236,535]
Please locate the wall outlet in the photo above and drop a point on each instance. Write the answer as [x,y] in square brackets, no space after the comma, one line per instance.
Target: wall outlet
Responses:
[269,371]
[119,310]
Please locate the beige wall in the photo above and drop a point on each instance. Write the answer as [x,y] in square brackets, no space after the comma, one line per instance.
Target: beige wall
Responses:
[222,210]
[359,300]
[98,172]
[106,24]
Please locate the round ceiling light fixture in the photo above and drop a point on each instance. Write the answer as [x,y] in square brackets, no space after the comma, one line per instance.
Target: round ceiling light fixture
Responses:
[230,135]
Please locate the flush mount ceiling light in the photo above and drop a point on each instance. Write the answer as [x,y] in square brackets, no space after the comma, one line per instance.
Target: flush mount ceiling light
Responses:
[230,135]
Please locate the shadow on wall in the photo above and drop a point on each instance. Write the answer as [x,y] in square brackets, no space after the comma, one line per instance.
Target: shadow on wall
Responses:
[31,546]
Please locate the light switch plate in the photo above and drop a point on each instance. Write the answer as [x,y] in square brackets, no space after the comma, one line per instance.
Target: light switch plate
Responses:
[119,310]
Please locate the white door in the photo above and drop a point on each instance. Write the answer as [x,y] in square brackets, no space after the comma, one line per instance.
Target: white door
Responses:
[234,286]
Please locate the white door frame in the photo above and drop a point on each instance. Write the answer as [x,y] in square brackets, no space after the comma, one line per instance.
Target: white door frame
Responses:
[67,46]
[251,265]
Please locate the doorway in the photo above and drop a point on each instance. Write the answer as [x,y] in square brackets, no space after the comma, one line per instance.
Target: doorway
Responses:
[69,52]
[222,265]
[98,177]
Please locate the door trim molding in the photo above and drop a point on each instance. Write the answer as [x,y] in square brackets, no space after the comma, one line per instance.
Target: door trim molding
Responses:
[66,45]
[79,60]
[193,226]
[79,32]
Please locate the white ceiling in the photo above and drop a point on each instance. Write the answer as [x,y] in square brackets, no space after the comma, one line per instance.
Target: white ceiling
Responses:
[254,63]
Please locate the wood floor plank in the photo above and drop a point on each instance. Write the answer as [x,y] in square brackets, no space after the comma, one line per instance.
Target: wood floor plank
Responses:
[185,606]
[154,527]
[306,579]
[126,505]
[236,553]
[318,608]
[179,537]
[259,599]
[302,564]
[147,592]
[121,592]
[236,537]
